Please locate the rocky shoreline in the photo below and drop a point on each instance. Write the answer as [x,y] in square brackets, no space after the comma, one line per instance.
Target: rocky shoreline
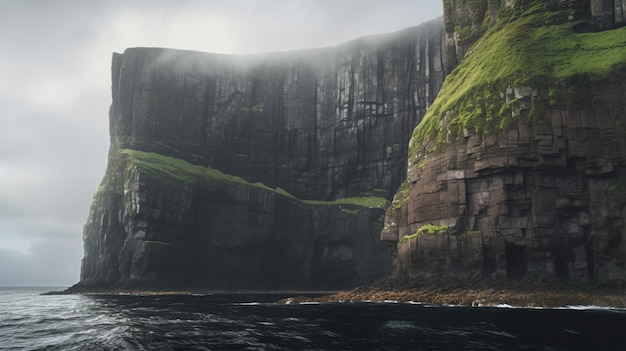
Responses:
[440,291]
[481,293]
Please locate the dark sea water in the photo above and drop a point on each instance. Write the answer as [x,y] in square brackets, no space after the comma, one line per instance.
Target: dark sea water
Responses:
[30,321]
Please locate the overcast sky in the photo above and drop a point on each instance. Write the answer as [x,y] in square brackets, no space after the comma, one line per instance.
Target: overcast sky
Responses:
[55,93]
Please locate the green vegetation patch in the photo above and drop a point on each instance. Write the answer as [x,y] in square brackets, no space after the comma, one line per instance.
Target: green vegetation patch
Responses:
[157,243]
[367,201]
[519,50]
[427,229]
[401,197]
[256,108]
[166,168]
[352,212]
[362,201]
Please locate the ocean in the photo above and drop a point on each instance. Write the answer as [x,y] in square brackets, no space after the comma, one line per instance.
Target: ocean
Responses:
[31,321]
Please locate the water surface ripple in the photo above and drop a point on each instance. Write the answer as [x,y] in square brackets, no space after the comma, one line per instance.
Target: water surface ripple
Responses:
[30,321]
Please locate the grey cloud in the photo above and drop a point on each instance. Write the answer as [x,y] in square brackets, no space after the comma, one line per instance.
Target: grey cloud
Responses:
[51,262]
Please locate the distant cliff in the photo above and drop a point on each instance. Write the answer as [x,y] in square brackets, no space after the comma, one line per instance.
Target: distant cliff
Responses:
[518,169]
[267,171]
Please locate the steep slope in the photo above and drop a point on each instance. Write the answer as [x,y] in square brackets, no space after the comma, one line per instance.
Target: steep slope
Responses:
[518,168]
[269,171]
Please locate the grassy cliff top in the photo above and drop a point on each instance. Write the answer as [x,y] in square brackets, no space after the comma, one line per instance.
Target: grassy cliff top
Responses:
[166,168]
[526,47]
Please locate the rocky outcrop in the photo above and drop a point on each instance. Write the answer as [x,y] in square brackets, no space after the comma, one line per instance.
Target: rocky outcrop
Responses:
[268,171]
[465,21]
[608,14]
[173,224]
[518,168]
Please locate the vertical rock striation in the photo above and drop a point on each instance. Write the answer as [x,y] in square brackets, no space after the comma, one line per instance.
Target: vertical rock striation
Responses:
[267,171]
[518,168]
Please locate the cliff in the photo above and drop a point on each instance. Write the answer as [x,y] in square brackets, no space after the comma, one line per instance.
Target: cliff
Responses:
[517,170]
[257,172]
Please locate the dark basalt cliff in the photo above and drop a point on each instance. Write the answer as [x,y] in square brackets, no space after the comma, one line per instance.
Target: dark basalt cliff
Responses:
[257,172]
[518,169]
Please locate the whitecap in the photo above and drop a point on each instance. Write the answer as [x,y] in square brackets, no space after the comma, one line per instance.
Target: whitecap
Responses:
[502,333]
[399,325]
[589,307]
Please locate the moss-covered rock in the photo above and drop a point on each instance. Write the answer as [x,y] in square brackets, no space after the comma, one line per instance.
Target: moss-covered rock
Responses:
[530,47]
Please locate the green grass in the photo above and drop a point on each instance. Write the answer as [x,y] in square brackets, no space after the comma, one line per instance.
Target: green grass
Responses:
[157,242]
[366,201]
[166,168]
[427,229]
[401,197]
[352,212]
[519,50]
[256,108]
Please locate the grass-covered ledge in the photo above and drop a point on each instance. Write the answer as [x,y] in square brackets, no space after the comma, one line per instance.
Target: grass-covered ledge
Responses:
[528,47]
[167,168]
[427,229]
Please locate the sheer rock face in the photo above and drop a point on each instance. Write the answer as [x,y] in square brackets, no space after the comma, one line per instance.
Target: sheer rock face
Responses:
[321,124]
[540,199]
[607,14]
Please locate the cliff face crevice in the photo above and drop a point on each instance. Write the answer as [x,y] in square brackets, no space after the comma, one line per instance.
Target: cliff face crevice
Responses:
[520,170]
[257,172]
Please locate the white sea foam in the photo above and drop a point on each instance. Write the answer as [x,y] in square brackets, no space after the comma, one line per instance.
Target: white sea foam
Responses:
[399,325]
[591,307]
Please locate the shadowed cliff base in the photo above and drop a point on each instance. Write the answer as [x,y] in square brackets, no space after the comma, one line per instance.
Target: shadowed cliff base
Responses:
[479,292]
